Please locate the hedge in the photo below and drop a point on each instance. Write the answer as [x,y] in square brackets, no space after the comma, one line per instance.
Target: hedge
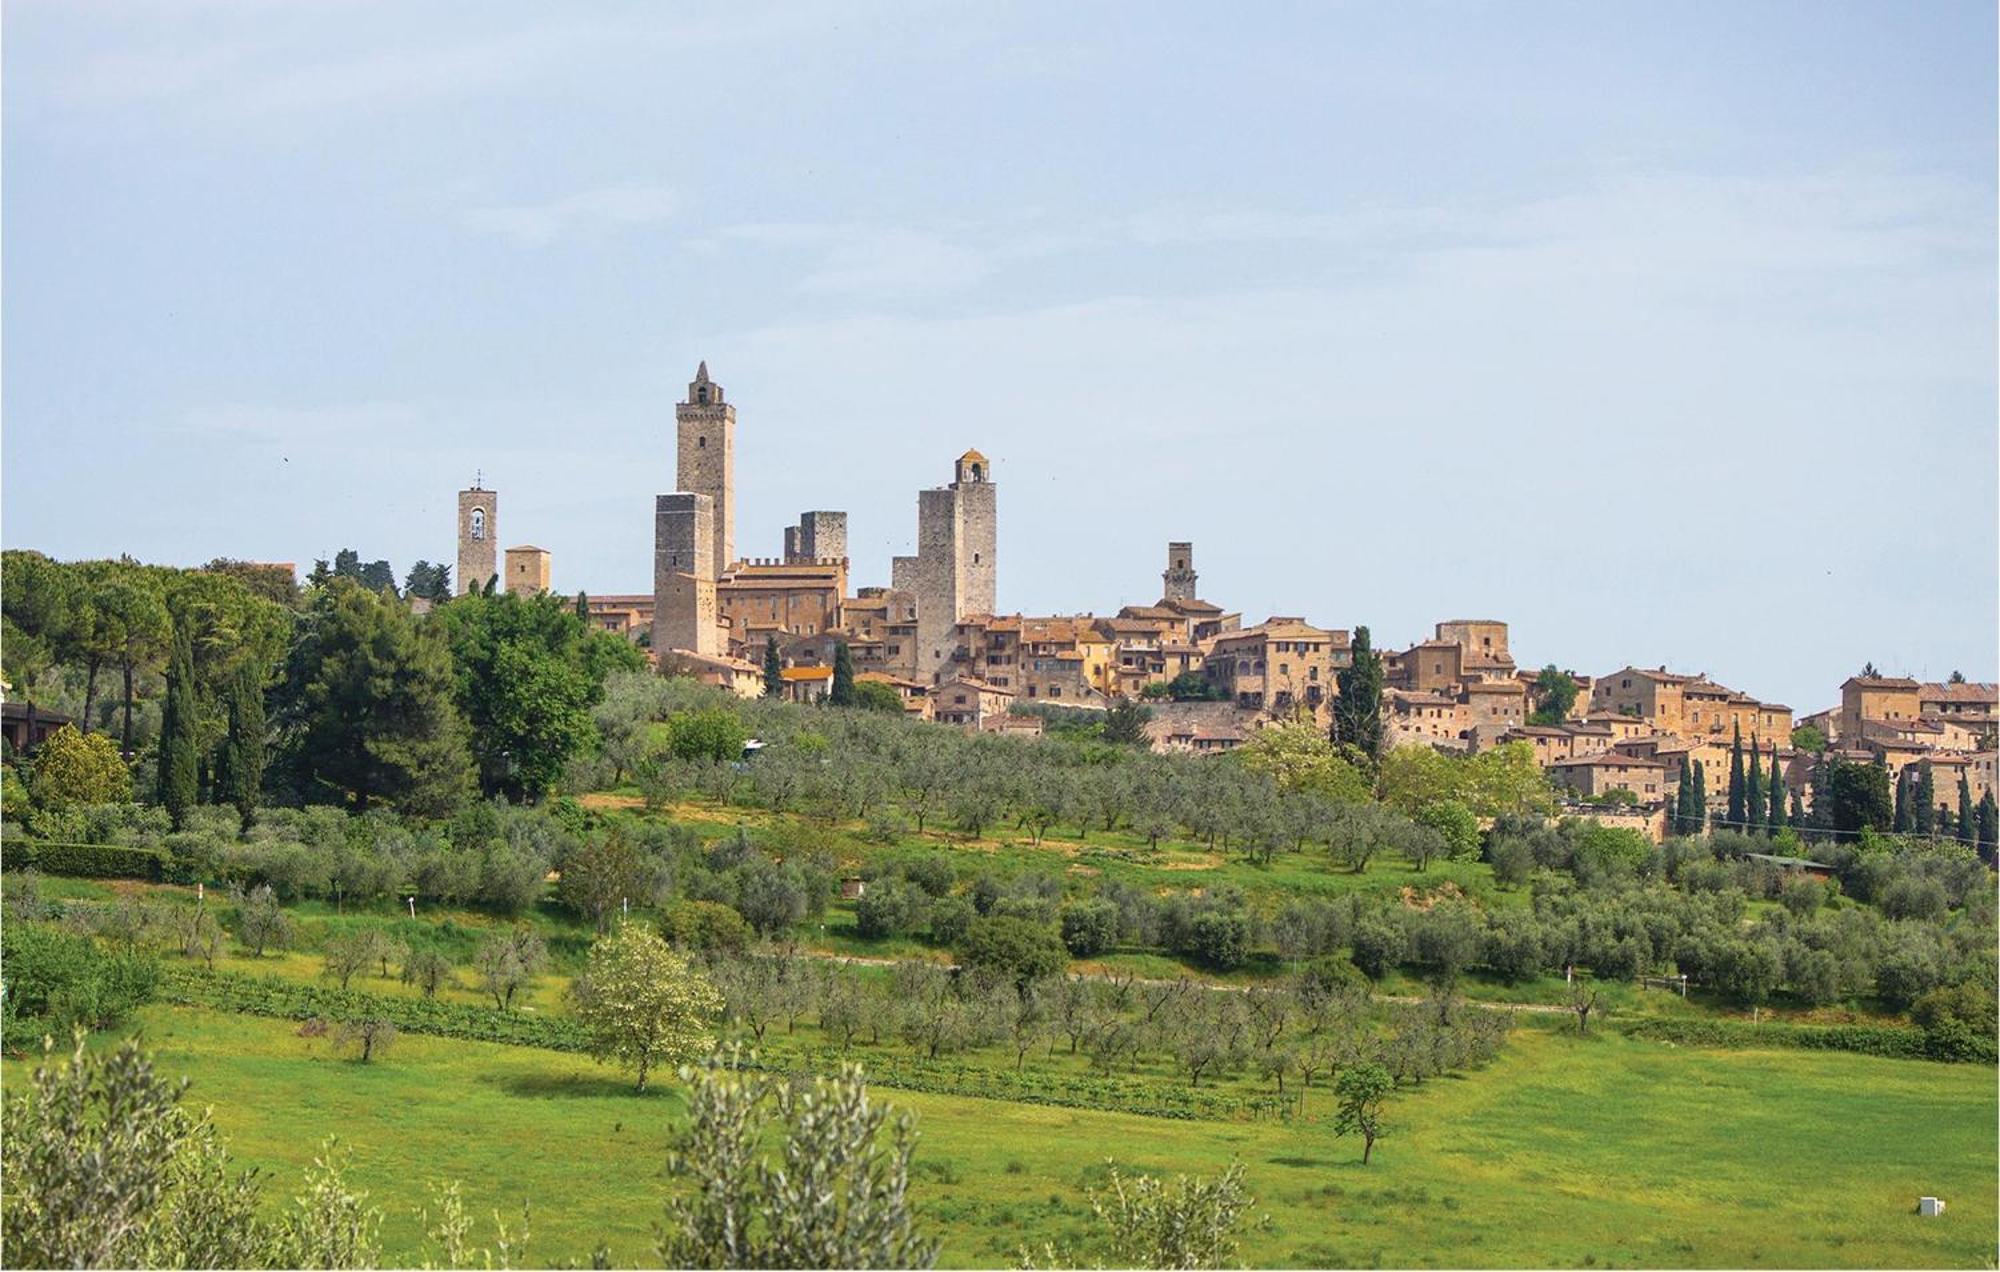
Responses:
[89,861]
[1888,1041]
[191,986]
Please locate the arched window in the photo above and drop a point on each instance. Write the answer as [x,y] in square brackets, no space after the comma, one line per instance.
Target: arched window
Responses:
[701,443]
[701,396]
[976,474]
[478,523]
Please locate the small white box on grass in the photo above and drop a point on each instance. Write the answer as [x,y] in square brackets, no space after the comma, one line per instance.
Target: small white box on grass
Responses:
[1930,1207]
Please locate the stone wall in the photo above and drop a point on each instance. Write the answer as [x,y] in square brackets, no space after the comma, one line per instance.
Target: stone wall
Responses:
[707,461]
[684,605]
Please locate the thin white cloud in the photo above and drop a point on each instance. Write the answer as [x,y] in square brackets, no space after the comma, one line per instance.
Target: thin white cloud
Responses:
[534,224]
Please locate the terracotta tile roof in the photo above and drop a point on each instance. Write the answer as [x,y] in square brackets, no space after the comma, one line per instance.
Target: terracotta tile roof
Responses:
[1969,692]
[1879,682]
[1608,759]
[807,673]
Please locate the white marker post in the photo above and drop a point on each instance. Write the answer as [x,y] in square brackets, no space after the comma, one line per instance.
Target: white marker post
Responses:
[413,907]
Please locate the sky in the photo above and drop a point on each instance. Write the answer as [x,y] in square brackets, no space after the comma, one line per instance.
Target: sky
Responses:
[1664,332]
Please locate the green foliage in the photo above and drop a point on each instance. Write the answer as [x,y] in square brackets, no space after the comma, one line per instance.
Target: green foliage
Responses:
[835,1196]
[1809,737]
[1125,724]
[1300,759]
[1357,712]
[1499,780]
[1143,1222]
[704,927]
[873,695]
[1555,694]
[72,768]
[1089,928]
[243,750]
[1192,686]
[1361,1089]
[57,982]
[1013,949]
[178,764]
[642,1005]
[1456,823]
[774,669]
[1859,798]
[712,734]
[842,692]
[527,672]
[365,709]
[84,861]
[1871,1040]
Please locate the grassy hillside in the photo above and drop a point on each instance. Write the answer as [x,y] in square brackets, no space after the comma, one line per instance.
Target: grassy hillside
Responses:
[1565,1152]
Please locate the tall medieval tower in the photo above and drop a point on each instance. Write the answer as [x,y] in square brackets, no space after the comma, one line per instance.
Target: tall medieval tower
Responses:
[707,461]
[953,573]
[478,531]
[1179,575]
[684,605]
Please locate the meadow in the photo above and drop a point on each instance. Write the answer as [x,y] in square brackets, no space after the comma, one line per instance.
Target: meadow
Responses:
[1566,1151]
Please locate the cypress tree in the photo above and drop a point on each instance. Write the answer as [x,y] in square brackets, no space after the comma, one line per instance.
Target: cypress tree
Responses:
[1901,823]
[1967,827]
[1923,818]
[842,693]
[583,606]
[1684,800]
[1753,792]
[1700,796]
[1775,822]
[1357,713]
[1989,825]
[178,762]
[1798,818]
[1736,809]
[774,670]
[243,749]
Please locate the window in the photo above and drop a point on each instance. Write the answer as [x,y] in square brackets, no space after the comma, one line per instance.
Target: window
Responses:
[478,523]
[701,443]
[701,396]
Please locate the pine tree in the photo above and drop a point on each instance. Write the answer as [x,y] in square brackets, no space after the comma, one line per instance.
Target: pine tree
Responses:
[1753,792]
[1736,809]
[842,693]
[178,775]
[774,670]
[1775,822]
[242,782]
[1923,818]
[1968,826]
[583,606]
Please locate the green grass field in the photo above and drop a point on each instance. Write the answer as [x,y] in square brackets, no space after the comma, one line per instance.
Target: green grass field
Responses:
[1566,1152]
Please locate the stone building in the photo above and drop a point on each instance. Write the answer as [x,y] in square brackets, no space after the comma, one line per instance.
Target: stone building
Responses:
[763,598]
[953,573]
[1278,665]
[478,531]
[685,615]
[970,703]
[527,570]
[707,462]
[1594,776]
[880,624]
[1692,706]
[625,613]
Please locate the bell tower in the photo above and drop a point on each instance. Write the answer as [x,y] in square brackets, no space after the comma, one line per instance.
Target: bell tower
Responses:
[1179,576]
[478,531]
[707,460]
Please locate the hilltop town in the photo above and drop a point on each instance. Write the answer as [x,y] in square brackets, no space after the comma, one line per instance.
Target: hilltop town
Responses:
[1645,747]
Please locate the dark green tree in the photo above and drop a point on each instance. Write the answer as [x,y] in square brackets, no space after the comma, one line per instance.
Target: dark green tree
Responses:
[1858,798]
[1555,693]
[1923,814]
[1797,819]
[1774,821]
[583,606]
[842,693]
[1125,723]
[1684,816]
[527,671]
[178,768]
[1989,826]
[1700,796]
[1357,713]
[774,669]
[242,769]
[431,582]
[365,713]
[1738,809]
[1900,820]
[1968,824]
[1753,792]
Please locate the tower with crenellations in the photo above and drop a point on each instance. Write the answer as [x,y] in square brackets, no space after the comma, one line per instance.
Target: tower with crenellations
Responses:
[1179,576]
[707,461]
[478,531]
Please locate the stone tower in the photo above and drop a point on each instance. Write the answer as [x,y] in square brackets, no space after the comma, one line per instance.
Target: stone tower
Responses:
[684,609]
[819,536]
[527,570]
[478,531]
[707,461]
[1179,575]
[953,573]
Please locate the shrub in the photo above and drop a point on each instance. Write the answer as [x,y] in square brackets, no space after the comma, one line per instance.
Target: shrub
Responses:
[1090,928]
[86,861]
[1013,949]
[888,908]
[1219,938]
[57,982]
